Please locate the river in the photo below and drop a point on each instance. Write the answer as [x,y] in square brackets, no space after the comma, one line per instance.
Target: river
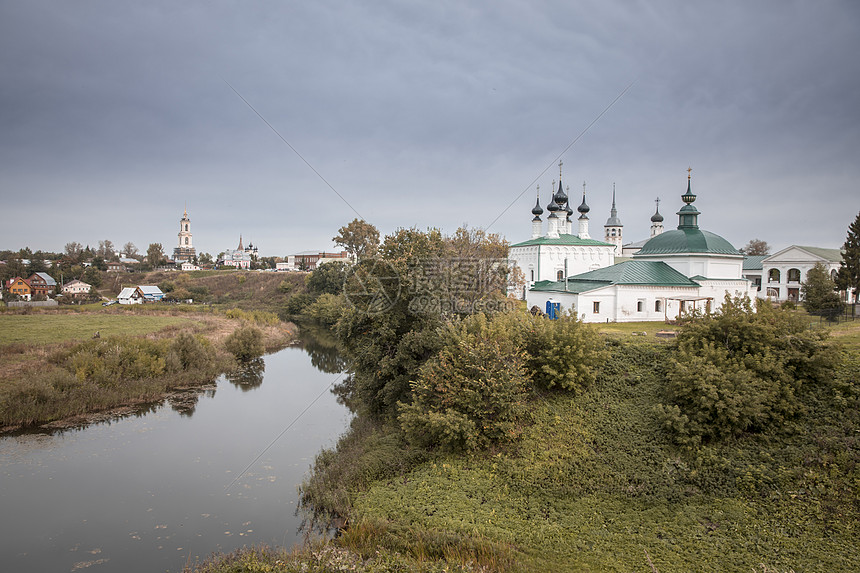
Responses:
[174,482]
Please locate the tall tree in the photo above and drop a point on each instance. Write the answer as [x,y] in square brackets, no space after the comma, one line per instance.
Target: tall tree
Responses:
[154,254]
[849,272]
[819,292]
[359,238]
[106,249]
[756,247]
[92,276]
[129,249]
[74,251]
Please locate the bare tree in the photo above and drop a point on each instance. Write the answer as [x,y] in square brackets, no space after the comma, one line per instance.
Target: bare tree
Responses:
[106,249]
[74,250]
[756,247]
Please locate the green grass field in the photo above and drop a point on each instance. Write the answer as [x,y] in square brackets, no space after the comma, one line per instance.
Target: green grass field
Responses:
[49,328]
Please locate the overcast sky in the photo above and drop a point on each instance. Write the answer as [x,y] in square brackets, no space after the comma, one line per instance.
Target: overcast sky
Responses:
[115,115]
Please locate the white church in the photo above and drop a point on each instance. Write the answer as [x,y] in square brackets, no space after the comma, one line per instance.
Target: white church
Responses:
[560,252]
[674,271]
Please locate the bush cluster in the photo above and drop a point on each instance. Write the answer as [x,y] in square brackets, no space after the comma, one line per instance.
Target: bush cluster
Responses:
[472,393]
[742,370]
[245,343]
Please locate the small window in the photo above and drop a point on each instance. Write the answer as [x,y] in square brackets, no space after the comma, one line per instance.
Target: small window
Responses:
[533,275]
[596,307]
[657,306]
[559,275]
[640,306]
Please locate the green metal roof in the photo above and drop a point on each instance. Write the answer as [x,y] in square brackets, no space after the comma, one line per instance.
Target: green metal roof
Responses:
[753,262]
[644,273]
[687,240]
[563,239]
[833,255]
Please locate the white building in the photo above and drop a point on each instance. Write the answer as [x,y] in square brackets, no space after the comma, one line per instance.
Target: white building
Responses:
[129,295]
[76,288]
[240,257]
[560,253]
[674,271]
[783,271]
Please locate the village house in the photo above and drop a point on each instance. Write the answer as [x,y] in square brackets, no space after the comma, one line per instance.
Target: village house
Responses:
[42,284]
[140,294]
[19,287]
[77,289]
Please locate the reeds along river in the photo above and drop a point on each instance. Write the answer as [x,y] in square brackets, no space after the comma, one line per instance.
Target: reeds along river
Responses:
[177,481]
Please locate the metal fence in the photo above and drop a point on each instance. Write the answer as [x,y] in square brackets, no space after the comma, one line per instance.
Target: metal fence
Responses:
[20,304]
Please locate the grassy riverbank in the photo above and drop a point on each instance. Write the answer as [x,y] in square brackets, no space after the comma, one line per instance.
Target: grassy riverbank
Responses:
[597,483]
[52,369]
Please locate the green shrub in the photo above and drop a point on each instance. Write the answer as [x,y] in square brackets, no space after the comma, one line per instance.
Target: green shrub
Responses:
[562,353]
[107,362]
[326,310]
[296,304]
[245,343]
[472,393]
[741,371]
[191,351]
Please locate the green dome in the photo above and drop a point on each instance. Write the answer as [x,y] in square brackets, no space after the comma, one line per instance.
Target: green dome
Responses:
[687,240]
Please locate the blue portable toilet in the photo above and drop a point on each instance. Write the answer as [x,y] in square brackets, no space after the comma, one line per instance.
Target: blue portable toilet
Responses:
[553,309]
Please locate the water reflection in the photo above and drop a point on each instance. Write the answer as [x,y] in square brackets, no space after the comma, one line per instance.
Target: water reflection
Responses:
[146,489]
[344,391]
[321,345]
[248,375]
[184,402]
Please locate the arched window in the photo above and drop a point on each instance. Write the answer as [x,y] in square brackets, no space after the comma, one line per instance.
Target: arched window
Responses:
[533,275]
[186,226]
[794,275]
[186,240]
[559,275]
[773,276]
[833,275]
[658,306]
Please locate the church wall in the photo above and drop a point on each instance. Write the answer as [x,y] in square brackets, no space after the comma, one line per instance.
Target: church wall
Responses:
[711,266]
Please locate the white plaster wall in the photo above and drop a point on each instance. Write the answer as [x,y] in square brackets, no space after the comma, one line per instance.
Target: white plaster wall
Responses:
[783,284]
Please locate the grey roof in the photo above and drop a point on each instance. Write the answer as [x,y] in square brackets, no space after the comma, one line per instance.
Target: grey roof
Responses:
[149,289]
[49,280]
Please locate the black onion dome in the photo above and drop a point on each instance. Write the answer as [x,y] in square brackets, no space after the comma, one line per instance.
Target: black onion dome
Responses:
[583,208]
[560,196]
[657,217]
[537,211]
